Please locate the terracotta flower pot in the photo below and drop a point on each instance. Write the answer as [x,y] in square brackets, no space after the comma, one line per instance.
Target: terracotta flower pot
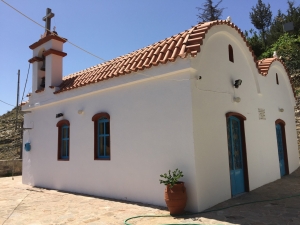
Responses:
[176,198]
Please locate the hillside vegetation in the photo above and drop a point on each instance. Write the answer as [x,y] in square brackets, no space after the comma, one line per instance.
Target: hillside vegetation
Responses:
[10,139]
[270,36]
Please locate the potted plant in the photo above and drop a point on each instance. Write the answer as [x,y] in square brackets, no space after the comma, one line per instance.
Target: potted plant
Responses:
[175,193]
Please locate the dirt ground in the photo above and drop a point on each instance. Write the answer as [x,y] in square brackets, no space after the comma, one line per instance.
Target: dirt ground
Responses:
[21,204]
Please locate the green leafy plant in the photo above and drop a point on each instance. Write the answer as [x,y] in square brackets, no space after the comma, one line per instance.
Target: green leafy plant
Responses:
[171,178]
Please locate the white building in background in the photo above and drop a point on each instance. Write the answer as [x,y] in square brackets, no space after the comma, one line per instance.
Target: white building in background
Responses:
[198,101]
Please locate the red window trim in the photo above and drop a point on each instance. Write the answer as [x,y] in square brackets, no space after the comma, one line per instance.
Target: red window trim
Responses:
[95,119]
[240,116]
[59,125]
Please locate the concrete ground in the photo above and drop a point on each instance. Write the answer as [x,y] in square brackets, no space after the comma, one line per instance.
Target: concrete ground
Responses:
[22,204]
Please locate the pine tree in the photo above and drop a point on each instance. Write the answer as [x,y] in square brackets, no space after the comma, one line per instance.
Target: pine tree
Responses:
[210,12]
[276,28]
[261,18]
[293,15]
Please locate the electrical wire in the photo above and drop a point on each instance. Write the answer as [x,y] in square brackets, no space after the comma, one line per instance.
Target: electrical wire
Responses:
[51,31]
[77,45]
[7,103]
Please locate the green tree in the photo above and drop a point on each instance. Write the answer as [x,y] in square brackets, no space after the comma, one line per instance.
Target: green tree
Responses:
[276,28]
[288,49]
[293,15]
[255,42]
[261,18]
[209,12]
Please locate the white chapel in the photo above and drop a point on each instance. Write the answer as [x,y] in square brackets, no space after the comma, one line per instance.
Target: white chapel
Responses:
[198,101]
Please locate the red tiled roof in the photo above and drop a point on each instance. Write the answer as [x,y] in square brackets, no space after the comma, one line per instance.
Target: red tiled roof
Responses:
[265,64]
[168,50]
[24,103]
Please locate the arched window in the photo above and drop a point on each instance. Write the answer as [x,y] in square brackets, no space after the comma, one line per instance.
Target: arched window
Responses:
[277,81]
[230,52]
[102,149]
[63,152]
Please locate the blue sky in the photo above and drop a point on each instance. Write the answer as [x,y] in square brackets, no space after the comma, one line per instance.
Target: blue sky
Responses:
[106,28]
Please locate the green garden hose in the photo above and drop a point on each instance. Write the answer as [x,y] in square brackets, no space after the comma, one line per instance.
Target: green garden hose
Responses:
[207,211]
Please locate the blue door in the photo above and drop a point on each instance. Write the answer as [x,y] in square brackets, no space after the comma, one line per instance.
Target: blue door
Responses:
[280,149]
[235,156]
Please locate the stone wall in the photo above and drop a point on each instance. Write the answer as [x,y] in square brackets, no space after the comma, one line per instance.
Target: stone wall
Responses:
[9,167]
[297,117]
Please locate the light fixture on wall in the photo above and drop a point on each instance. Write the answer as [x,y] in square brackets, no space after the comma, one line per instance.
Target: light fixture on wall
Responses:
[281,109]
[80,112]
[237,83]
[59,115]
[237,99]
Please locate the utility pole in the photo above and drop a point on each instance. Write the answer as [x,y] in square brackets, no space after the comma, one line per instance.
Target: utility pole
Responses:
[17,100]
[16,125]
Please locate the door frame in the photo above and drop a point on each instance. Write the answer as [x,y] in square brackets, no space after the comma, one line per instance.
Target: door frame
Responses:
[286,162]
[242,118]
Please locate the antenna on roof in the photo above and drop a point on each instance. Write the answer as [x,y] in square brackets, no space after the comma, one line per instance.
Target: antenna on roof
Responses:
[228,19]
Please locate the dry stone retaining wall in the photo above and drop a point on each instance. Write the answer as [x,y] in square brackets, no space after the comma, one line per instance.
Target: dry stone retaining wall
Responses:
[297,117]
[10,167]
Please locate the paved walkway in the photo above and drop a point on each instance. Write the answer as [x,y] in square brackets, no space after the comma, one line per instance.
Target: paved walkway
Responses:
[22,204]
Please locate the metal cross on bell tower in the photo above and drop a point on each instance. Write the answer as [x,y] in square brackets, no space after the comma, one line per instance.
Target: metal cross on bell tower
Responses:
[47,19]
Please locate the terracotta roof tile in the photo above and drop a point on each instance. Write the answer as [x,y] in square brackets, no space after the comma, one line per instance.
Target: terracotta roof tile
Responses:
[24,103]
[181,45]
[265,64]
[40,90]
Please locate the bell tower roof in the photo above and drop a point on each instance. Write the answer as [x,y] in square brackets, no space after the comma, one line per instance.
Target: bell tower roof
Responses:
[47,38]
[48,34]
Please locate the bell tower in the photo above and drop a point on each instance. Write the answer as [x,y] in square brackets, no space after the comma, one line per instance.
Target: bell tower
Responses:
[47,58]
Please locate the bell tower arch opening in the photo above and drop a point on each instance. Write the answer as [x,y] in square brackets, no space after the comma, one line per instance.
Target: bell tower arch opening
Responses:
[41,70]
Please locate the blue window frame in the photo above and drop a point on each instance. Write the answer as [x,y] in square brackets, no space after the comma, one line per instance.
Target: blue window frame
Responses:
[63,153]
[102,150]
[65,142]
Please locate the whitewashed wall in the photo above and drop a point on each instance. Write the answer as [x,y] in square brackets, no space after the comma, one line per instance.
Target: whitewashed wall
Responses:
[213,98]
[151,132]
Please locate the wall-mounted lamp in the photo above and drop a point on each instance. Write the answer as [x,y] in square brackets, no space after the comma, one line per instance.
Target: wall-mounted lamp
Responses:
[59,115]
[281,109]
[237,83]
[237,99]
[80,112]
